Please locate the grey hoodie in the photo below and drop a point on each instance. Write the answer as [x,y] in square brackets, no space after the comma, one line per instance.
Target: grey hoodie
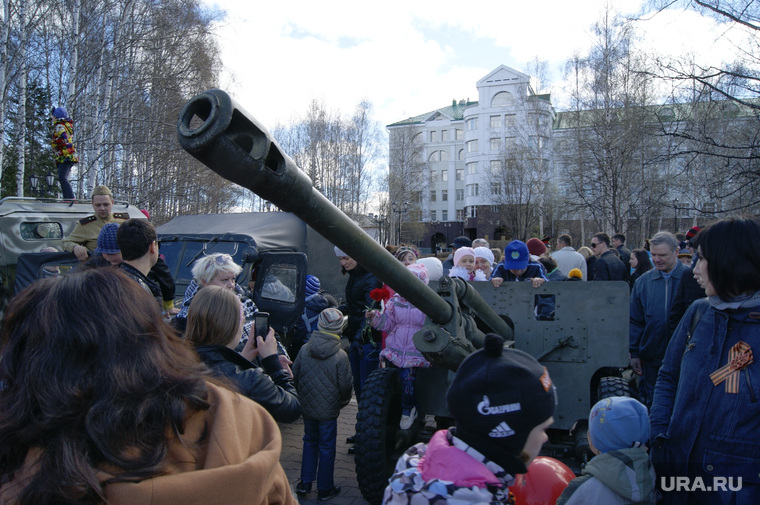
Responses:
[617,477]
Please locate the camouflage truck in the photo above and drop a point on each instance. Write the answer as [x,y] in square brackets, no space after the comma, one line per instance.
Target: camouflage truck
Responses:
[29,224]
[583,344]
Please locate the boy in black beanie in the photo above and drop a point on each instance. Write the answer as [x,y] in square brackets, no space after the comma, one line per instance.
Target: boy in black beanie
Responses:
[503,402]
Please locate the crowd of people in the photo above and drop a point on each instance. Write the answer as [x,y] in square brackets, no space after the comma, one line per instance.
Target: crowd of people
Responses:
[130,406]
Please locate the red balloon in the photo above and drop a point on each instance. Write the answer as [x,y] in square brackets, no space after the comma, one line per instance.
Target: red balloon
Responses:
[544,482]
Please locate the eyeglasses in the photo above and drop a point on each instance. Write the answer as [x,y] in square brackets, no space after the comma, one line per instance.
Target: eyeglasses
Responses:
[593,245]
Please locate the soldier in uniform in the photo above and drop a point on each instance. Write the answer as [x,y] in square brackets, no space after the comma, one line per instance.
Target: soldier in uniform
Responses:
[84,237]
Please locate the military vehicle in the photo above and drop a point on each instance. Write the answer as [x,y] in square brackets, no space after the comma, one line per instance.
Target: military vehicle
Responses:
[583,344]
[278,243]
[29,224]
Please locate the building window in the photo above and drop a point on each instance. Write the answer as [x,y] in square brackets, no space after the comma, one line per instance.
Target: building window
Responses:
[472,146]
[495,165]
[460,195]
[472,168]
[433,136]
[432,196]
[460,174]
[444,155]
[444,135]
[460,155]
[435,156]
[502,99]
[459,134]
[417,197]
[444,215]
[445,175]
[444,195]
[432,215]
[461,214]
[472,190]
[509,142]
[472,124]
[495,121]
[473,210]
[495,188]
[495,209]
[495,144]
[509,120]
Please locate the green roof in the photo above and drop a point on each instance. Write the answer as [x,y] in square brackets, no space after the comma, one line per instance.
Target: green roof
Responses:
[455,111]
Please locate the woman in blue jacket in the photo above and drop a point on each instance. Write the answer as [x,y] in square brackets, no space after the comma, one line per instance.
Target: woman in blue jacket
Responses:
[705,418]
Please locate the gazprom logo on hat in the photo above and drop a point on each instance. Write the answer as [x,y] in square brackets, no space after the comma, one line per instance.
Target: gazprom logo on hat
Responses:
[515,255]
[484,407]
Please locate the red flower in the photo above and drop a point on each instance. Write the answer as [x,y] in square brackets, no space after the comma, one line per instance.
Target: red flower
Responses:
[380,294]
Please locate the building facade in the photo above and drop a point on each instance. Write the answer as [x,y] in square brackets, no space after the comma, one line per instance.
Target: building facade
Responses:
[509,166]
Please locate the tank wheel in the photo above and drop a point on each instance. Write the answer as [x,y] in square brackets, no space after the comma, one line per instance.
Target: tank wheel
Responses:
[614,386]
[379,440]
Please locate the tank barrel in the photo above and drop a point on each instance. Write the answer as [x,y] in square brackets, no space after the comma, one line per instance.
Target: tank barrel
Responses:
[225,138]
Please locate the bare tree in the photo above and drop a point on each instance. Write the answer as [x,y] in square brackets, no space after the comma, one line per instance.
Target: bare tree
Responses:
[609,170]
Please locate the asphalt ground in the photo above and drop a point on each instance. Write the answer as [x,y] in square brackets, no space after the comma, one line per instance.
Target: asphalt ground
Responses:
[345,476]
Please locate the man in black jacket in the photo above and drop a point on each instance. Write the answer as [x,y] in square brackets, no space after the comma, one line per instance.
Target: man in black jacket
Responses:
[608,267]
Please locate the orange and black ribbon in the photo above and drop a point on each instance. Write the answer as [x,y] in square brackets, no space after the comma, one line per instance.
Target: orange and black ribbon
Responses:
[739,357]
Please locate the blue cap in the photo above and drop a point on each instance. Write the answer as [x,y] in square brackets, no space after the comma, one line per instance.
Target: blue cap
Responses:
[618,423]
[516,255]
[60,113]
[107,239]
[312,285]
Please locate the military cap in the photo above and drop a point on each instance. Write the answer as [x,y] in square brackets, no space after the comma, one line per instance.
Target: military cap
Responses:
[102,190]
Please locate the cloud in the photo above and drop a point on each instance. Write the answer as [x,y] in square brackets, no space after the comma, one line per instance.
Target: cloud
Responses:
[412,57]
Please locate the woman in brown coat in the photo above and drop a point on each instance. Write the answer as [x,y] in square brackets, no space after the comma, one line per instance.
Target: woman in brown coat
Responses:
[101,402]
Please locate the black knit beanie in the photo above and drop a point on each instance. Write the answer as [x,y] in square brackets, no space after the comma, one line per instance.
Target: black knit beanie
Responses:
[497,397]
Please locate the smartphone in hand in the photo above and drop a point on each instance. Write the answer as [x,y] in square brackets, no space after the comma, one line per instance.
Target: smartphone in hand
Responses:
[260,326]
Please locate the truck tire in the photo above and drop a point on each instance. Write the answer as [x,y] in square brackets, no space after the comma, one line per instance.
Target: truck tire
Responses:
[376,433]
[614,386]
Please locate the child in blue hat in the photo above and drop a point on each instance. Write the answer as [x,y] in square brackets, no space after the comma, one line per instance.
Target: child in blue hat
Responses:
[621,472]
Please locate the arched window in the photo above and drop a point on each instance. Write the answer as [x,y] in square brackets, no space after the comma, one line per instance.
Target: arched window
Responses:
[502,99]
[445,155]
[435,156]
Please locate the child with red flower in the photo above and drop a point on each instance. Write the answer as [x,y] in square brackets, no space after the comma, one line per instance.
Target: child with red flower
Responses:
[402,320]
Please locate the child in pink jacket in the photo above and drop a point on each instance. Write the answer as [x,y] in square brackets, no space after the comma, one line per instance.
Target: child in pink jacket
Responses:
[402,320]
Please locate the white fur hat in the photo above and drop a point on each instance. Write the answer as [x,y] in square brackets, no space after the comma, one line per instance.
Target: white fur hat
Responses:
[434,267]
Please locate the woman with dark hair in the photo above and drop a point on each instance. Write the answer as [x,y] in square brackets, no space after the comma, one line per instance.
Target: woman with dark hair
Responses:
[215,325]
[705,416]
[640,264]
[99,406]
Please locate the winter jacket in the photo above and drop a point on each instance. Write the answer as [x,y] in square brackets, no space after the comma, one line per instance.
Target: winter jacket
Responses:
[608,267]
[534,270]
[271,387]
[312,307]
[180,320]
[229,453]
[651,301]
[63,141]
[439,472]
[360,283]
[697,427]
[688,292]
[322,375]
[556,275]
[568,258]
[401,320]
[620,477]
